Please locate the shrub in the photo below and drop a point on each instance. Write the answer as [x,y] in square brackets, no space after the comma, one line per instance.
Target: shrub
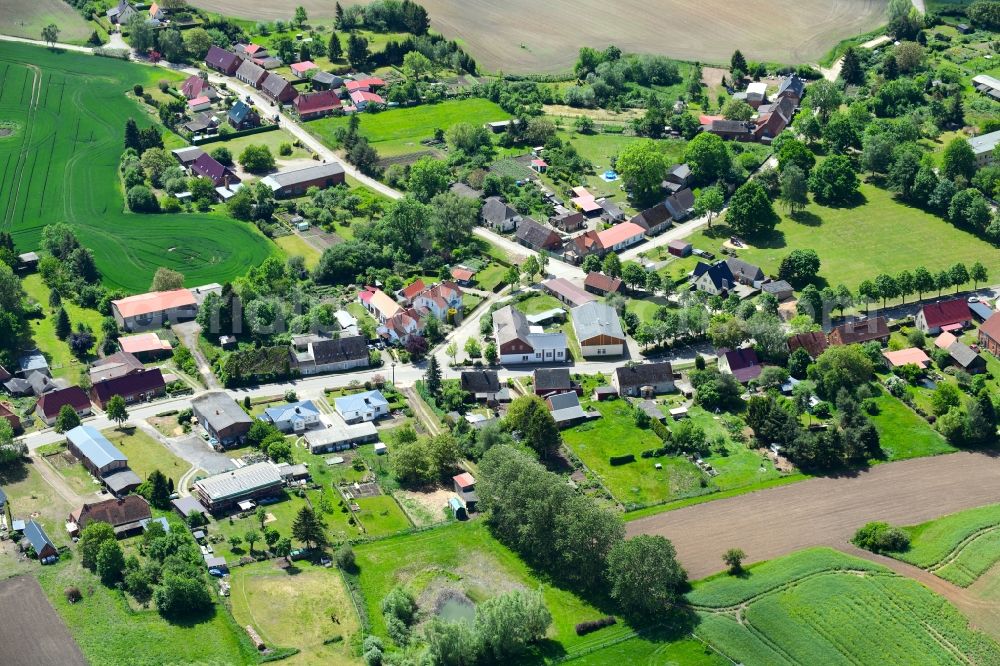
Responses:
[73,594]
[880,537]
[584,628]
[285,149]
[622,459]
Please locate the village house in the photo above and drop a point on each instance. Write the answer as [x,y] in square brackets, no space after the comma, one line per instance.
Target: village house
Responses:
[220,416]
[340,436]
[520,343]
[410,291]
[989,335]
[742,364]
[207,166]
[302,69]
[398,328]
[680,204]
[815,343]
[547,381]
[35,536]
[366,406]
[222,60]
[568,222]
[135,387]
[50,403]
[316,105]
[145,346]
[155,13]
[951,316]
[715,279]
[463,275]
[484,385]
[122,13]
[860,331]
[153,309]
[498,216]
[278,88]
[361,99]
[909,356]
[643,378]
[984,147]
[654,220]
[621,236]
[678,177]
[315,354]
[598,329]
[296,183]
[565,409]
[293,417]
[251,73]
[187,156]
[567,292]
[125,515]
[379,304]
[202,103]
[773,119]
[118,364]
[962,355]
[8,415]
[195,86]
[245,484]
[250,50]
[610,211]
[601,284]
[579,247]
[443,300]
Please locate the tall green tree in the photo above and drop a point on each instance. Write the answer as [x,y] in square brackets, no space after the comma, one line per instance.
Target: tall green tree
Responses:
[529,417]
[110,562]
[116,410]
[432,377]
[642,167]
[67,419]
[750,211]
[334,50]
[959,160]
[645,576]
[92,537]
[851,70]
[309,528]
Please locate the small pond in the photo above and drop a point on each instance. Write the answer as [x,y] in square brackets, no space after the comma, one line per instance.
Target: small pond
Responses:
[454,606]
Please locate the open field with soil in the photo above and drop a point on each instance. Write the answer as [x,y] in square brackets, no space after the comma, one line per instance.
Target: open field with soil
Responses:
[400,131]
[26,18]
[843,237]
[527,36]
[824,511]
[35,628]
[300,608]
[61,165]
[823,607]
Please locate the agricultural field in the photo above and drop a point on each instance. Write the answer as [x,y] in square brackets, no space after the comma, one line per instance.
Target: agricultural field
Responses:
[958,548]
[26,18]
[782,30]
[399,131]
[35,627]
[109,631]
[821,606]
[843,237]
[304,608]
[61,164]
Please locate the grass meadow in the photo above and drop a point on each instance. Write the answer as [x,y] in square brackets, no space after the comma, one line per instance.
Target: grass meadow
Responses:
[61,360]
[400,131]
[958,548]
[903,434]
[146,454]
[880,235]
[61,165]
[820,606]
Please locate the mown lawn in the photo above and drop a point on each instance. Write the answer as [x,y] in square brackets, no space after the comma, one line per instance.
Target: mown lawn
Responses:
[903,434]
[819,606]
[490,277]
[109,632]
[301,608]
[273,140]
[400,131]
[381,515]
[294,245]
[854,244]
[145,454]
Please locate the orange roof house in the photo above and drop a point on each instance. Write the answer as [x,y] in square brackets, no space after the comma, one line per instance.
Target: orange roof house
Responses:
[621,236]
[144,343]
[910,356]
[151,310]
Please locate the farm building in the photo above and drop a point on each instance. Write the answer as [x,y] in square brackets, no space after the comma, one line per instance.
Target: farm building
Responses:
[780,289]
[188,506]
[362,99]
[961,354]
[222,60]
[325,81]
[677,178]
[202,103]
[732,130]
[379,303]
[242,116]
[987,85]
[569,222]
[94,450]
[537,236]
[742,364]
[815,343]
[644,378]
[187,156]
[341,436]
[463,276]
[498,216]
[225,490]
[278,88]
[981,311]
[300,69]
[295,183]
[35,536]
[50,403]
[145,346]
[118,364]
[221,417]
[952,315]
[910,356]
[610,211]
[152,310]
[315,354]
[365,84]
[133,387]
[565,409]
[520,343]
[621,236]
[547,381]
[366,406]
[860,331]
[984,147]
[567,292]
[8,415]
[123,514]
[598,329]
[989,335]
[679,248]
[293,417]
[601,284]
[32,362]
[585,202]
[316,105]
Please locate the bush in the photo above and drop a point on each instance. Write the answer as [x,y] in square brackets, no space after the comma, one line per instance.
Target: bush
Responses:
[881,537]
[285,149]
[584,628]
[73,594]
[622,459]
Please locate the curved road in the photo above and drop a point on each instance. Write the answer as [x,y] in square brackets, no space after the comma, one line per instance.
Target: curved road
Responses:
[824,511]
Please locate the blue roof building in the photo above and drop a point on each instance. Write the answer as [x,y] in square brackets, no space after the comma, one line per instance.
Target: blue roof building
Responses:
[39,540]
[293,417]
[366,406]
[94,450]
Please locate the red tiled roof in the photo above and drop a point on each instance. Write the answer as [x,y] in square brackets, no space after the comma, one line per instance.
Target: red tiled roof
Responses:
[940,314]
[115,512]
[318,101]
[154,301]
[464,480]
[991,327]
[860,330]
[129,385]
[945,340]
[814,343]
[463,274]
[145,342]
[617,234]
[906,357]
[413,289]
[603,282]
[359,96]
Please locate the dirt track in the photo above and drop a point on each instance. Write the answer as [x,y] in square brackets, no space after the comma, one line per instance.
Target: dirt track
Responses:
[32,634]
[825,511]
[533,36]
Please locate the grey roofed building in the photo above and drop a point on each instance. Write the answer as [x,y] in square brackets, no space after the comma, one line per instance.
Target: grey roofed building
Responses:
[566,409]
[680,204]
[33,361]
[594,319]
[94,447]
[984,145]
[981,311]
[536,235]
[548,380]
[42,384]
[188,506]
[242,114]
[221,416]
[718,273]
[499,215]
[18,386]
[251,73]
[327,79]
[612,211]
[630,379]
[227,488]
[464,190]
[652,410]
[743,271]
[277,88]
[780,289]
[39,540]
[187,155]
[480,381]
[122,482]
[654,219]
[340,435]
[313,354]
[965,357]
[330,173]
[791,85]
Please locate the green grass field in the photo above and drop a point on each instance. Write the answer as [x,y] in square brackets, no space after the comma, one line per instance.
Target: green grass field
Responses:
[61,360]
[823,607]
[272,140]
[381,515]
[856,244]
[61,165]
[26,18]
[296,608]
[400,131]
[295,245]
[958,548]
[903,434]
[108,631]
[146,454]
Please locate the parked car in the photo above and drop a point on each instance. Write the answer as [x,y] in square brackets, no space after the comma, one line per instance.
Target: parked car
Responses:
[216,572]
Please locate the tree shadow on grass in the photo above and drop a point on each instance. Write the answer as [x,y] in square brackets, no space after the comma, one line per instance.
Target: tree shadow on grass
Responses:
[772,240]
[192,618]
[856,200]
[13,472]
[806,218]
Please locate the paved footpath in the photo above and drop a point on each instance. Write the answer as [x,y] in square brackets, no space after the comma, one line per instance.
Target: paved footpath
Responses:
[824,511]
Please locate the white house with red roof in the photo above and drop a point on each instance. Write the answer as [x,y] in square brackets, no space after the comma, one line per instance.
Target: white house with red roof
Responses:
[949,316]
[148,311]
[300,69]
[379,303]
[621,236]
[439,299]
[410,291]
[360,99]
[364,85]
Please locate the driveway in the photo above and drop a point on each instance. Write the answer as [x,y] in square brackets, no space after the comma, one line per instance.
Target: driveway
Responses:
[824,511]
[196,451]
